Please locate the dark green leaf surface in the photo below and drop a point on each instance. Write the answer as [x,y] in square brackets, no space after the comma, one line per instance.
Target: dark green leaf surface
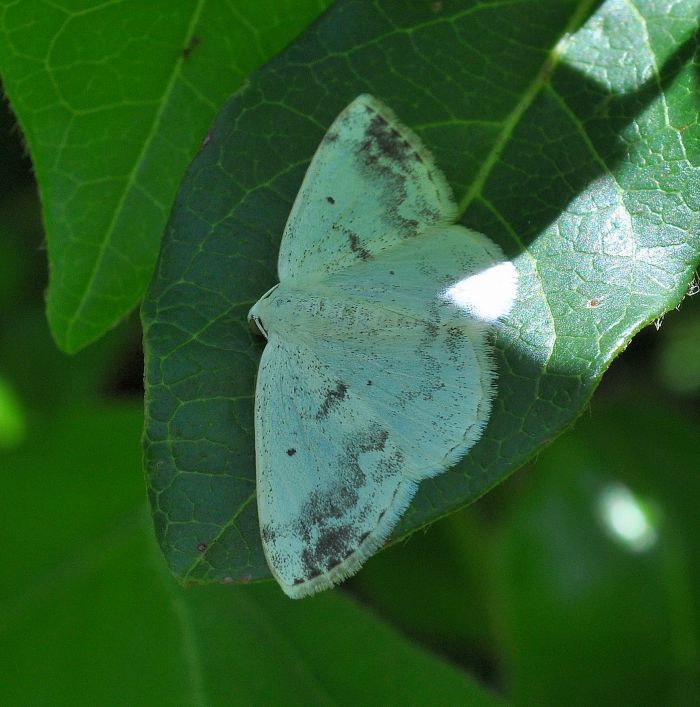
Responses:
[570,136]
[89,615]
[114,99]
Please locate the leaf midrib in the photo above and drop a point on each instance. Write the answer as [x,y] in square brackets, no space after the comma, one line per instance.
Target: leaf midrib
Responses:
[550,63]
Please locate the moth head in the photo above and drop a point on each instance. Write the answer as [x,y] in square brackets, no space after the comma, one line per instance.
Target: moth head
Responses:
[257,311]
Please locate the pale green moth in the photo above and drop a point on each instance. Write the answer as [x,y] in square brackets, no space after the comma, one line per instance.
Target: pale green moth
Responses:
[377,371]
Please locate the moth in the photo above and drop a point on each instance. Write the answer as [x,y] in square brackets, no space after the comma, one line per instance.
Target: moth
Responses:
[378,371]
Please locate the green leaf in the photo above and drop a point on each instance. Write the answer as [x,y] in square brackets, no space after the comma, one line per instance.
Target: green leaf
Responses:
[601,554]
[12,417]
[454,564]
[114,100]
[28,356]
[90,615]
[570,138]
[678,361]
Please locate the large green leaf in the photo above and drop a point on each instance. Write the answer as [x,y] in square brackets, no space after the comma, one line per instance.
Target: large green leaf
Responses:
[114,100]
[89,615]
[570,135]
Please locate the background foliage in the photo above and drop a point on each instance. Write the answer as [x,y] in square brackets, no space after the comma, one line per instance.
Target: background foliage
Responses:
[584,154]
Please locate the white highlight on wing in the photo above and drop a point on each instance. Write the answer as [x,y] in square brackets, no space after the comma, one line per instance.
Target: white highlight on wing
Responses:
[487,295]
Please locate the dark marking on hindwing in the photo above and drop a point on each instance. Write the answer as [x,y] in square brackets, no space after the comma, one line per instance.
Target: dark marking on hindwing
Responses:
[332,523]
[291,452]
[373,439]
[332,398]
[268,534]
[334,544]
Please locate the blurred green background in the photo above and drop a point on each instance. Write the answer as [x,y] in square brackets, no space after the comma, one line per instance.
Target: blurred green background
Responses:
[575,582]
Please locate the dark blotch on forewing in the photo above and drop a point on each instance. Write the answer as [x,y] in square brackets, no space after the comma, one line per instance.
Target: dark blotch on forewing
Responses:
[386,153]
[382,139]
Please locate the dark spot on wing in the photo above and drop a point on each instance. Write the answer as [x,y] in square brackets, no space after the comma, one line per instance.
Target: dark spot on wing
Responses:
[384,141]
[291,452]
[431,330]
[429,214]
[330,136]
[330,200]
[358,249]
[321,508]
[332,398]
[455,340]
[334,543]
[355,245]
[372,439]
[268,534]
[369,382]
